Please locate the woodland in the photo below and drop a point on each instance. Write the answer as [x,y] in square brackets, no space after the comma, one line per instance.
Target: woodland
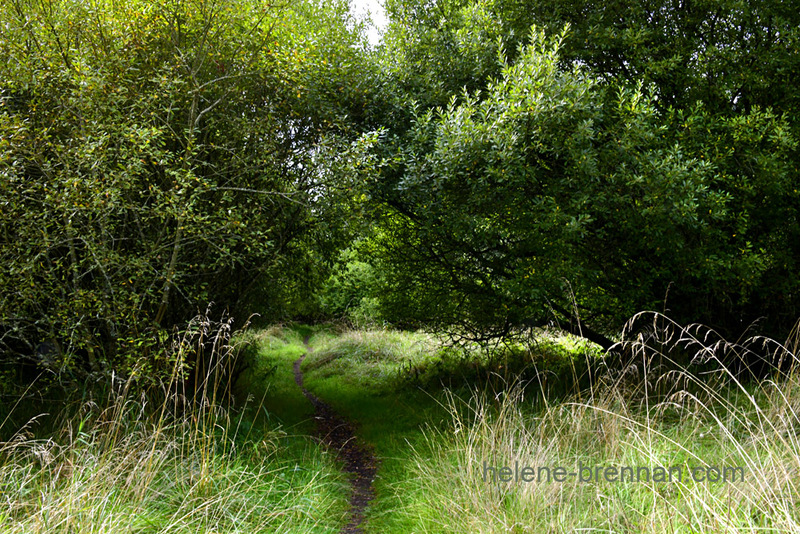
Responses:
[500,197]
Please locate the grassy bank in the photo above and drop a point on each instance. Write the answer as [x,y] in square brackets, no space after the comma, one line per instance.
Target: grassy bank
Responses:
[726,468]
[694,454]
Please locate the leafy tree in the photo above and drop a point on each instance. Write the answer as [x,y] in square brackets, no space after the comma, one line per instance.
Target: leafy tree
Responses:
[732,55]
[351,289]
[156,157]
[555,194]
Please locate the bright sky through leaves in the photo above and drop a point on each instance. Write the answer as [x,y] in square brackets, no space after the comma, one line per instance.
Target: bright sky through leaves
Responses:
[373,9]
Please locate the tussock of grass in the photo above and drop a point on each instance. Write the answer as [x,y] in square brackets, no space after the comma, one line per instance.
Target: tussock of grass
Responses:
[155,477]
[370,358]
[376,345]
[751,426]
[391,360]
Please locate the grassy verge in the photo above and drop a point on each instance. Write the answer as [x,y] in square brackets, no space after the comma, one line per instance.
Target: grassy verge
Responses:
[649,451]
[746,460]
[131,467]
[444,424]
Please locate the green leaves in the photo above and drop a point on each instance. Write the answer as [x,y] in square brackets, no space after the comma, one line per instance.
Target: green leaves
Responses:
[154,158]
[555,192]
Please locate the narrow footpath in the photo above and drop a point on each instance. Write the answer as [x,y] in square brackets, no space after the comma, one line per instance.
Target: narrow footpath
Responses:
[338,434]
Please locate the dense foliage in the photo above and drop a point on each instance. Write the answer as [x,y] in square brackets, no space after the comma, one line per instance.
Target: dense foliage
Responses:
[156,157]
[493,165]
[627,156]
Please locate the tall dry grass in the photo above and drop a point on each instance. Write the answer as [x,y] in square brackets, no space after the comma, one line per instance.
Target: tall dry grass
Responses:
[682,399]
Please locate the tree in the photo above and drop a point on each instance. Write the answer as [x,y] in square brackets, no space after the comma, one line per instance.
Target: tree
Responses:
[732,55]
[156,157]
[558,194]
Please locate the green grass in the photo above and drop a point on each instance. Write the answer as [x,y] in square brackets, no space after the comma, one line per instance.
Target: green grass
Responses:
[397,386]
[434,415]
[132,467]
[269,380]
[433,442]
[451,494]
[167,478]
[363,375]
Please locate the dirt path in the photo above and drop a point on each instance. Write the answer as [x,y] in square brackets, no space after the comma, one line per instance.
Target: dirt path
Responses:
[358,460]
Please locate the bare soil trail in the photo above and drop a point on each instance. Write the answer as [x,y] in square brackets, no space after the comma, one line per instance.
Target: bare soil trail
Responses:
[337,433]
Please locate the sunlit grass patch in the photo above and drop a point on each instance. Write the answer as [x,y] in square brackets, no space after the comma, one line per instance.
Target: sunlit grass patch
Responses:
[375,358]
